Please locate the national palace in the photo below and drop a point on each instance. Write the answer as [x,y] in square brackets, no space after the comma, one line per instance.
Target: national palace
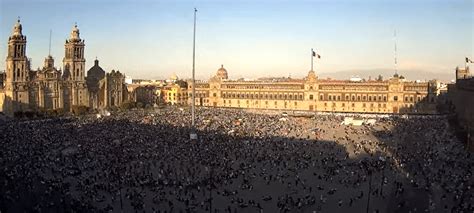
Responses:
[396,95]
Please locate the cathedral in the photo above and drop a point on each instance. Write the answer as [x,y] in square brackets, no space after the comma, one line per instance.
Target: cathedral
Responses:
[50,88]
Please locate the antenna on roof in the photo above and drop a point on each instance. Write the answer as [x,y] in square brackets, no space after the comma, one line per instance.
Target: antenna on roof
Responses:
[50,32]
[395,51]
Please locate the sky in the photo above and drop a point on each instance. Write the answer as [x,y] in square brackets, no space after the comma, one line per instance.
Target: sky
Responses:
[251,38]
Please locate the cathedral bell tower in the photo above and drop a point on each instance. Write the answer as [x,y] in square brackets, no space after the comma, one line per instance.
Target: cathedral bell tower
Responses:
[74,71]
[74,62]
[17,69]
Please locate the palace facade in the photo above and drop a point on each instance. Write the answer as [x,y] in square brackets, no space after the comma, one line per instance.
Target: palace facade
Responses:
[395,95]
[50,88]
[461,98]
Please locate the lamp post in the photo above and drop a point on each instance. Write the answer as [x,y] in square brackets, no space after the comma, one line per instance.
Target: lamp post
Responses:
[193,134]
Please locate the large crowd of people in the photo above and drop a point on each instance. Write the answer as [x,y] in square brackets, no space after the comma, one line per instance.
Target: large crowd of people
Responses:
[144,161]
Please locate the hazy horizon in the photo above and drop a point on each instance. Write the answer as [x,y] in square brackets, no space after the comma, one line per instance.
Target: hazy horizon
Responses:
[152,39]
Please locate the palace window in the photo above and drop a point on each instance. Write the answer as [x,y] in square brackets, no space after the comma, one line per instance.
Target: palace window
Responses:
[364,97]
[347,97]
[406,98]
[395,98]
[358,98]
[353,98]
[384,98]
[338,97]
[330,97]
[321,97]
[343,104]
[411,99]
[301,97]
[370,98]
[310,97]
[363,105]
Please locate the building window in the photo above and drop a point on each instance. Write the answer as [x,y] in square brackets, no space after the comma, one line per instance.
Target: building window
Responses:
[395,98]
[310,97]
[321,98]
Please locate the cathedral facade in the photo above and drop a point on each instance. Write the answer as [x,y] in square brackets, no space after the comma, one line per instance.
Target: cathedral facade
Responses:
[50,88]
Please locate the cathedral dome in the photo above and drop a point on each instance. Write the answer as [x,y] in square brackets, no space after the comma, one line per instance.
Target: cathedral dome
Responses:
[222,73]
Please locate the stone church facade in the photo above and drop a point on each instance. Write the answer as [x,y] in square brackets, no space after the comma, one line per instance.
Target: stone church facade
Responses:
[50,88]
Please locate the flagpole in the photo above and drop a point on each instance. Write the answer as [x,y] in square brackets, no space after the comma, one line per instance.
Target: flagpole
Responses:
[312,59]
[193,134]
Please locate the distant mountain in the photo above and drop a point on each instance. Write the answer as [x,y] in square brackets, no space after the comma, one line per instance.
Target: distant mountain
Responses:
[387,73]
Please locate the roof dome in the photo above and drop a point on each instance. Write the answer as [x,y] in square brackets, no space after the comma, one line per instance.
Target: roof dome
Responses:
[17,28]
[75,33]
[222,73]
[174,77]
